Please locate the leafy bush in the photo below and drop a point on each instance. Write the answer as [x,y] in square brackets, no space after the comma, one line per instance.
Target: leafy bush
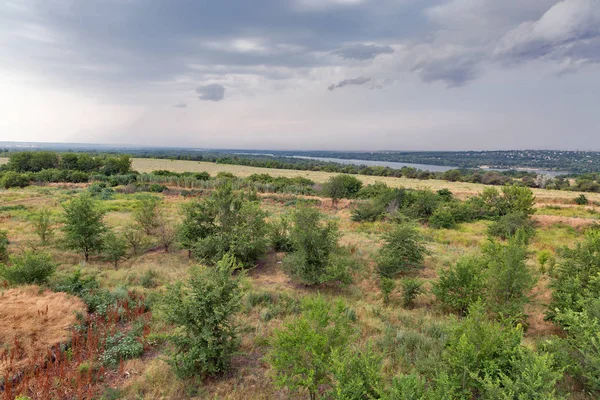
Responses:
[42,225]
[203,310]
[442,217]
[114,248]
[302,349]
[403,249]
[4,242]
[149,279]
[509,279]
[315,257]
[147,214]
[28,268]
[460,286]
[120,347]
[342,187]
[582,200]
[13,179]
[356,374]
[411,288]
[280,234]
[508,225]
[422,204]
[486,360]
[368,211]
[387,286]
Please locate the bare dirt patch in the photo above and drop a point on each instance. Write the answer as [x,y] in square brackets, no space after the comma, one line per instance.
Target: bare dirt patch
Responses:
[38,319]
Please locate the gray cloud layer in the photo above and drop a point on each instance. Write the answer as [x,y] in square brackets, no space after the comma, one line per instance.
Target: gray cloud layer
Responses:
[363,51]
[212,92]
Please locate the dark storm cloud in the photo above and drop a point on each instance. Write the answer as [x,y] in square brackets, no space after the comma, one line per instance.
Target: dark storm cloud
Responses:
[212,92]
[359,80]
[363,51]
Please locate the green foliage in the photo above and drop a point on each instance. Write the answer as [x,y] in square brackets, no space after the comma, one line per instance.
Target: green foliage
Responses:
[202,311]
[582,200]
[4,242]
[342,187]
[509,279]
[371,191]
[411,288]
[301,355]
[545,258]
[29,268]
[42,225]
[120,347]
[149,279]
[460,286]
[279,234]
[114,248]
[573,281]
[315,258]
[442,217]
[12,179]
[422,204]
[517,199]
[233,223]
[356,374]
[445,195]
[84,226]
[387,286]
[147,214]
[508,225]
[198,222]
[133,236]
[485,359]
[403,249]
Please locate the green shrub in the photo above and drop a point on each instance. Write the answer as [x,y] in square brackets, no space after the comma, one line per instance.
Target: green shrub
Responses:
[280,234]
[4,242]
[114,248]
[509,279]
[582,200]
[508,225]
[149,279]
[28,268]
[202,310]
[13,179]
[356,374]
[422,204]
[147,214]
[445,195]
[411,288]
[120,347]
[403,249]
[315,258]
[460,286]
[387,286]
[342,187]
[42,225]
[368,211]
[301,355]
[442,217]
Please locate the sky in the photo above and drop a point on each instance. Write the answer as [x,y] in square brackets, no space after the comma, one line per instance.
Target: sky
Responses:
[303,74]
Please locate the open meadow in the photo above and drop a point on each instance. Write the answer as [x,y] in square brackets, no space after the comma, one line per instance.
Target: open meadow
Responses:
[408,338]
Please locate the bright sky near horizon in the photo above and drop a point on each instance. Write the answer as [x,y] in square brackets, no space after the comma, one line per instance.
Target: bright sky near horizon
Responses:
[302,74]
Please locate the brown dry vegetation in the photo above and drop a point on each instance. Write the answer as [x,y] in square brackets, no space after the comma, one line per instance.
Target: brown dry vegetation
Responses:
[38,319]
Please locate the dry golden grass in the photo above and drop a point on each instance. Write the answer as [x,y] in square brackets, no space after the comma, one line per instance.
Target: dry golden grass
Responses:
[3,160]
[38,319]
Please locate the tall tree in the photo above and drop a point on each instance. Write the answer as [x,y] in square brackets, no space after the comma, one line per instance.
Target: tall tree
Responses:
[84,225]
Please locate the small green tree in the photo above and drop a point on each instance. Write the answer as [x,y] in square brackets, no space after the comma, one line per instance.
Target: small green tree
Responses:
[356,374]
[460,286]
[387,286]
[517,199]
[28,268]
[198,222]
[4,242]
[342,186]
[315,258]
[166,234]
[403,249]
[302,349]
[202,311]
[508,225]
[114,248]
[509,279]
[147,214]
[411,288]
[84,226]
[582,200]
[42,225]
[133,235]
[14,179]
